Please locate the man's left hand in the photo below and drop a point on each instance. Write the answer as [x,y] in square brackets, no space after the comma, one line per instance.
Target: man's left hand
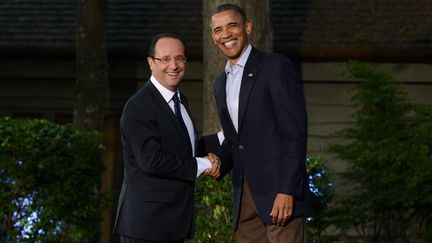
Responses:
[282,209]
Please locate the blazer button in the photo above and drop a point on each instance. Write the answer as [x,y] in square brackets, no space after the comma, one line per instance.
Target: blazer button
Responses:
[240,147]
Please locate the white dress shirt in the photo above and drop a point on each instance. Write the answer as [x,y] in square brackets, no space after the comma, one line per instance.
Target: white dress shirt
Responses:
[202,163]
[234,75]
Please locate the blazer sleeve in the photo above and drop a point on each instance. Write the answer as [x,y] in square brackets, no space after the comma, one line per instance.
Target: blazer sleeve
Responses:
[210,144]
[225,155]
[289,106]
[207,144]
[142,134]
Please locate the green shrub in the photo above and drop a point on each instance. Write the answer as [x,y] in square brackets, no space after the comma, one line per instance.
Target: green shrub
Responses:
[322,187]
[214,210]
[49,180]
[214,205]
[389,153]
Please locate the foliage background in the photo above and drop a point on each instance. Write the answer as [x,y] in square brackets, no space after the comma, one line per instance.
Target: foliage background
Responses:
[49,180]
[389,153]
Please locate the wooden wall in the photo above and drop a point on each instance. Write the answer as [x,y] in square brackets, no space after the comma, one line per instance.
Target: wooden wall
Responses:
[45,89]
[34,88]
[328,97]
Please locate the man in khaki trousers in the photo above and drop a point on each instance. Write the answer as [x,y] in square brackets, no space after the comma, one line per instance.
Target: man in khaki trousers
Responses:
[262,112]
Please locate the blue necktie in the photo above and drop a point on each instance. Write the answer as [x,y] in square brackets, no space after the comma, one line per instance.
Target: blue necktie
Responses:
[178,114]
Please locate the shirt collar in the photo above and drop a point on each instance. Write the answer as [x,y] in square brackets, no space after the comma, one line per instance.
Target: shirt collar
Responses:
[241,62]
[166,93]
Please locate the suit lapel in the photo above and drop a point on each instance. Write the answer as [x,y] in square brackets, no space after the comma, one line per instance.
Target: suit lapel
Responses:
[248,79]
[167,109]
[220,92]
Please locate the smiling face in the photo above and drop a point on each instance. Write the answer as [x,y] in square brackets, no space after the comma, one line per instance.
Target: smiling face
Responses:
[230,33]
[168,74]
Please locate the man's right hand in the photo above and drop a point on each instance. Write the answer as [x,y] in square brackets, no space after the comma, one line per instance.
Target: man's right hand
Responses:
[214,171]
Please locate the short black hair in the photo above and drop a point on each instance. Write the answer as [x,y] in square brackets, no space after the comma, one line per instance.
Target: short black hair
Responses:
[156,38]
[229,6]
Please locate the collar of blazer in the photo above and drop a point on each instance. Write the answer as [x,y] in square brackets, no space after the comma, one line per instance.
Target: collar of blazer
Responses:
[248,79]
[167,109]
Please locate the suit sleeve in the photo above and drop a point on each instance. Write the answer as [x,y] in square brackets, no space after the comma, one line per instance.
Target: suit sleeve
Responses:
[290,111]
[225,155]
[142,134]
[207,144]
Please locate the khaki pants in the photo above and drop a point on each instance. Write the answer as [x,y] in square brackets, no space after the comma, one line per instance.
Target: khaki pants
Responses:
[251,228]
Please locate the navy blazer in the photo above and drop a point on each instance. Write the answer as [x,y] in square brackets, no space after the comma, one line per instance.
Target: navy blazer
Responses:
[269,148]
[157,196]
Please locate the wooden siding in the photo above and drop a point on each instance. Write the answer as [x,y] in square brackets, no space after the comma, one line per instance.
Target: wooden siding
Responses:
[328,98]
[46,89]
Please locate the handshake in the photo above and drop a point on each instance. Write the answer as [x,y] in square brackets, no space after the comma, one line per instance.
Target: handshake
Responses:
[214,171]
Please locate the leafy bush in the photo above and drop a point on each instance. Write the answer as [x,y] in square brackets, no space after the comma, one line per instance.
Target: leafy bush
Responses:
[214,210]
[49,180]
[321,185]
[214,205]
[389,153]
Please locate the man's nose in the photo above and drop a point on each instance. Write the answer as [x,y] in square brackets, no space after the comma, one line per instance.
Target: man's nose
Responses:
[173,63]
[225,33]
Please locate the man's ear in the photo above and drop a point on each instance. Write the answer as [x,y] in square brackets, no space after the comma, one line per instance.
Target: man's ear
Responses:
[248,27]
[150,62]
[211,34]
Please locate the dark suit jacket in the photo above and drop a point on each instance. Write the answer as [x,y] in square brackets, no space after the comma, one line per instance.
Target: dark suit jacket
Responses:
[156,200]
[269,148]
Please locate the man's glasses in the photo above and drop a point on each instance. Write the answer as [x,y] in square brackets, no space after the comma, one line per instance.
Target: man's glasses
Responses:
[167,60]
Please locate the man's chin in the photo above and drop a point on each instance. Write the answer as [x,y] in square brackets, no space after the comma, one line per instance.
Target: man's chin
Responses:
[232,55]
[174,81]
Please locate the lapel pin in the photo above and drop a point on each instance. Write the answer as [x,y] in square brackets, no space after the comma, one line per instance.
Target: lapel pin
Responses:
[250,74]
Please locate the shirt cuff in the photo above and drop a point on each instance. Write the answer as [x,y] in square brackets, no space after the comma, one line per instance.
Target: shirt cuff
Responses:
[221,137]
[202,165]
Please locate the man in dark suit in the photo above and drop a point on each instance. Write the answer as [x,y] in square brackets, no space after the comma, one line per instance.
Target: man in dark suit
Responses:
[156,202]
[262,112]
